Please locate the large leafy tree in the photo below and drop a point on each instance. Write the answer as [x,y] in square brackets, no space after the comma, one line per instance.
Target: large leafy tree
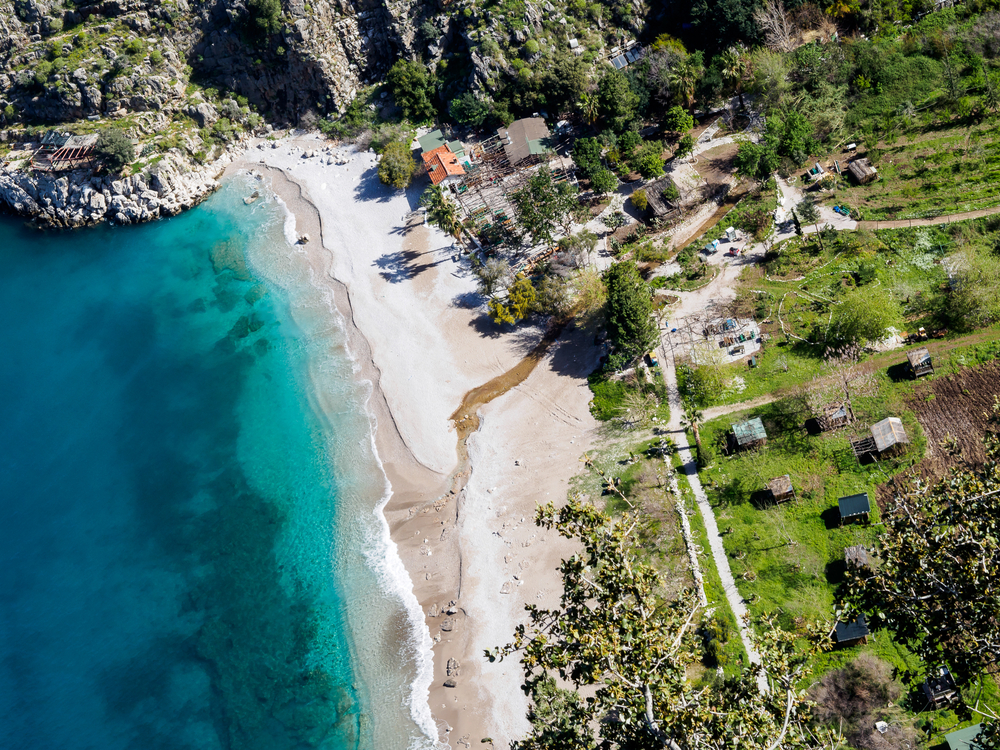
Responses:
[544,205]
[412,89]
[616,100]
[397,165]
[630,309]
[757,161]
[115,149]
[937,582]
[864,316]
[615,635]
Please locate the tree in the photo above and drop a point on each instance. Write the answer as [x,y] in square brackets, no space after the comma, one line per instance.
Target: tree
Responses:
[468,109]
[685,146]
[542,205]
[616,635]
[693,417]
[263,18]
[115,149]
[678,120]
[604,181]
[756,161]
[587,157]
[648,160]
[630,309]
[441,211]
[492,275]
[640,200]
[616,101]
[974,301]
[736,68]
[777,26]
[397,164]
[937,582]
[412,89]
[807,213]
[864,316]
[683,79]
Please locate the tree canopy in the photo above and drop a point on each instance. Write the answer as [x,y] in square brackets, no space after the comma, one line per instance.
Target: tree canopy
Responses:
[616,100]
[864,316]
[412,89]
[543,205]
[937,582]
[397,165]
[756,161]
[616,635]
[630,308]
[115,149]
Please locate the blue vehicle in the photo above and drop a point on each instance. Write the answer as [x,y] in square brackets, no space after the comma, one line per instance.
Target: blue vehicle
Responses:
[841,211]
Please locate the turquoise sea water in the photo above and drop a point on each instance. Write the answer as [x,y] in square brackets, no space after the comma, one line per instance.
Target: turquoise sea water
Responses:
[191,554]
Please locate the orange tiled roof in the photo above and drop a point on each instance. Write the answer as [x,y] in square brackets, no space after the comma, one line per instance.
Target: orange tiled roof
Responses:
[441,163]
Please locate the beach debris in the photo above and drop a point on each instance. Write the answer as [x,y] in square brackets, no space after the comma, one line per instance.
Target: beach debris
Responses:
[452,608]
[447,625]
[507,587]
[450,683]
[453,668]
[303,239]
[433,610]
[508,558]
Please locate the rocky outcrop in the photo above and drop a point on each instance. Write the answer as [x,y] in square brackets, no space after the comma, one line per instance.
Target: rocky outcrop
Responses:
[77,199]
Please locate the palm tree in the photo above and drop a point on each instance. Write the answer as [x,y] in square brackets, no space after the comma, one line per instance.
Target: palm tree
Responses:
[589,108]
[441,211]
[693,418]
[736,68]
[682,78]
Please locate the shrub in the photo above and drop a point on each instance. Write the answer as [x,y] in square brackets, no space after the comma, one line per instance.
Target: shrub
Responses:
[469,110]
[531,47]
[604,181]
[156,58]
[115,149]
[639,200]
[648,160]
[42,72]
[397,165]
[263,17]
[412,89]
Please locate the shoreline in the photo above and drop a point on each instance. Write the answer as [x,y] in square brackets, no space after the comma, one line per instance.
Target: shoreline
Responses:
[460,526]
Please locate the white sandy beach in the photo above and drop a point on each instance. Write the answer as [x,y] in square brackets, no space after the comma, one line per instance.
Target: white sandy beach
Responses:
[419,334]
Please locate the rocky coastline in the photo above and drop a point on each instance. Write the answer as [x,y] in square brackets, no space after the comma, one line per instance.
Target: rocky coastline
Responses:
[81,198]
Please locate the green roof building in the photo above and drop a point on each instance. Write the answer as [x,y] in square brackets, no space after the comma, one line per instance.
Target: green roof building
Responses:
[963,739]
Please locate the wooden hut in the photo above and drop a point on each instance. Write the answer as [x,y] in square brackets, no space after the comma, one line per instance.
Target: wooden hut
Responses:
[781,489]
[854,508]
[656,195]
[749,434]
[862,171]
[941,689]
[851,633]
[919,362]
[886,437]
[525,141]
[833,416]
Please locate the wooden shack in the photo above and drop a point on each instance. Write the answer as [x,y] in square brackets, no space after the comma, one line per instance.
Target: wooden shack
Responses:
[919,362]
[862,171]
[886,438]
[749,434]
[781,489]
[856,556]
[525,141]
[941,689]
[833,416]
[854,508]
[662,206]
[852,632]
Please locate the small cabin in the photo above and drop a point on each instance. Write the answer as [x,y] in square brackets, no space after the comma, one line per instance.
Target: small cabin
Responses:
[862,171]
[749,434]
[525,141]
[833,416]
[941,689]
[851,633]
[656,196]
[856,557]
[781,489]
[963,739]
[854,508]
[886,438]
[919,362]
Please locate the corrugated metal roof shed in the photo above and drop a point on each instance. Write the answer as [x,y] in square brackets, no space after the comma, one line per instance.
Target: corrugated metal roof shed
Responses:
[852,506]
[852,631]
[749,431]
[963,738]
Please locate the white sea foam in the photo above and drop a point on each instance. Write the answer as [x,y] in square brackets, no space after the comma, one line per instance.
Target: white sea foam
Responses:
[380,551]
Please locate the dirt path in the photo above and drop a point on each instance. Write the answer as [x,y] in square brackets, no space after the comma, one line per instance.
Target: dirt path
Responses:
[906,223]
[689,468]
[718,411]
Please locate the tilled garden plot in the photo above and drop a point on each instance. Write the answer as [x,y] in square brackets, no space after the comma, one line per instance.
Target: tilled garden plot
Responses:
[954,412]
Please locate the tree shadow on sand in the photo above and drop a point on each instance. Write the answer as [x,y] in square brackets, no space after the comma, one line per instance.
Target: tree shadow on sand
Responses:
[404,265]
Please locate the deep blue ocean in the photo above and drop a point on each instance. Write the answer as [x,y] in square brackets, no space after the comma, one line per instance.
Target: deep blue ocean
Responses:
[186,489]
